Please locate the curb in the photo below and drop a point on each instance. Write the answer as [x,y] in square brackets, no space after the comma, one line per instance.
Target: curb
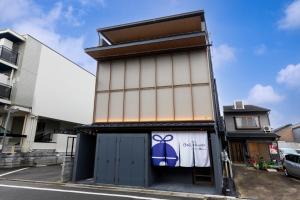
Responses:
[129,189]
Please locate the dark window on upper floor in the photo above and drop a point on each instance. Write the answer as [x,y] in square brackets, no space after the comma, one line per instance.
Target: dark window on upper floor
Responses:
[247,122]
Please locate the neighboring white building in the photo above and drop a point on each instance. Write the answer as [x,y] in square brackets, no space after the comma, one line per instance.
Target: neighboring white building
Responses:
[45,92]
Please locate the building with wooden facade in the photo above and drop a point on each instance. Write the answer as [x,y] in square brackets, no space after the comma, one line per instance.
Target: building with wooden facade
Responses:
[249,134]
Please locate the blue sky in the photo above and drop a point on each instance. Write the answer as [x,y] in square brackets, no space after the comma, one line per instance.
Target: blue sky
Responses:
[256,51]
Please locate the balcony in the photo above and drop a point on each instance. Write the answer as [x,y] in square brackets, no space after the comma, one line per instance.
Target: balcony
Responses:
[8,55]
[5,91]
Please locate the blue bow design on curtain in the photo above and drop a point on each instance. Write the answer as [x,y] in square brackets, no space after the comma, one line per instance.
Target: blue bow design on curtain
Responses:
[163,152]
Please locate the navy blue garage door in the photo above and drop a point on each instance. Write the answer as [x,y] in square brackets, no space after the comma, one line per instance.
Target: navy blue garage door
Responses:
[121,159]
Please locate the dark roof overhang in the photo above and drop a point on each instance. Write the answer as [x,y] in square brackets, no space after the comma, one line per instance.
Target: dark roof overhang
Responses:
[147,126]
[155,28]
[247,109]
[161,45]
[250,135]
[12,36]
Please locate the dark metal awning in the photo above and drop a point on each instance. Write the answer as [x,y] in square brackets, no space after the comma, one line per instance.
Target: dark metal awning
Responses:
[147,126]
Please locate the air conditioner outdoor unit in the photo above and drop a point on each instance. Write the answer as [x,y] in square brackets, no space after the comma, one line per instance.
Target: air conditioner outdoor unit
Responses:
[267,129]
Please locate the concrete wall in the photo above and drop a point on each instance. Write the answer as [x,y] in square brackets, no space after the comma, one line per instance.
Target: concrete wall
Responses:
[26,75]
[63,90]
[155,88]
[230,123]
[59,144]
[30,159]
[52,85]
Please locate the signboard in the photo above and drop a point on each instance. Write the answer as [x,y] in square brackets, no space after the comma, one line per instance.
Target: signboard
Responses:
[273,148]
[180,149]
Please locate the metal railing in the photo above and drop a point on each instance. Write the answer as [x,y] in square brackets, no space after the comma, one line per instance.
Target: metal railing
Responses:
[8,55]
[5,91]
[70,152]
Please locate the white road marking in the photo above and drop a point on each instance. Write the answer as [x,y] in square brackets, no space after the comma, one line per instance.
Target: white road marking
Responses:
[79,192]
[13,172]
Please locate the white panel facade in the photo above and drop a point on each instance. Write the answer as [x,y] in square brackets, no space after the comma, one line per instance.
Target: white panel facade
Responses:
[117,75]
[103,76]
[102,103]
[156,88]
[183,103]
[63,90]
[131,103]
[115,107]
[148,72]
[164,70]
[202,103]
[199,69]
[148,105]
[132,73]
[181,69]
[165,108]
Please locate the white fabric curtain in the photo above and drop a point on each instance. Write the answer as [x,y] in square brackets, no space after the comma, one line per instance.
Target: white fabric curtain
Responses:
[184,149]
[201,150]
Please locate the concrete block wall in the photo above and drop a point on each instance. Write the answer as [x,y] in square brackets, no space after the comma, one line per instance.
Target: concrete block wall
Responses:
[67,169]
[30,159]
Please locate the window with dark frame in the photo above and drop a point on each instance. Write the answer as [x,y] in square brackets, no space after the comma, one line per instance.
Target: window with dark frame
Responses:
[247,122]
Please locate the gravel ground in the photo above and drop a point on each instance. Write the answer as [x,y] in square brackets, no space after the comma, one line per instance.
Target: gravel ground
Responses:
[256,184]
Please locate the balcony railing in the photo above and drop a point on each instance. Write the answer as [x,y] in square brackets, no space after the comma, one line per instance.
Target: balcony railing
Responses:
[8,55]
[5,91]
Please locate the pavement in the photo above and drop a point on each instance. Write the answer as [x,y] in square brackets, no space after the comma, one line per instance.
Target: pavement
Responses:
[35,183]
[41,173]
[258,184]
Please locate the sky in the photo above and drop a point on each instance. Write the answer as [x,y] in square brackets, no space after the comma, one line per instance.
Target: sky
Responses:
[255,43]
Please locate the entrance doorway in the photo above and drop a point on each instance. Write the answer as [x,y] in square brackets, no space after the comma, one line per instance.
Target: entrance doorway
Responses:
[237,152]
[259,150]
[17,125]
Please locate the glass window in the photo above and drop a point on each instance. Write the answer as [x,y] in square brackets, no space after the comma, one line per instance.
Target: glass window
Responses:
[244,122]
[292,158]
[297,159]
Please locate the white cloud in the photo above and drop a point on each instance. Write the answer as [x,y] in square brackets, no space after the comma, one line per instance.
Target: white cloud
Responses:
[90,2]
[16,9]
[260,50]
[261,94]
[291,19]
[43,26]
[223,54]
[70,16]
[290,75]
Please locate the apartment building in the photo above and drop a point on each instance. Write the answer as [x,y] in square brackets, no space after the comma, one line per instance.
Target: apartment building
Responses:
[42,95]
[156,108]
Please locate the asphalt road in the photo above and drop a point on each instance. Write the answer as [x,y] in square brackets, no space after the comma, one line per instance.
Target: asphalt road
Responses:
[43,183]
[12,190]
